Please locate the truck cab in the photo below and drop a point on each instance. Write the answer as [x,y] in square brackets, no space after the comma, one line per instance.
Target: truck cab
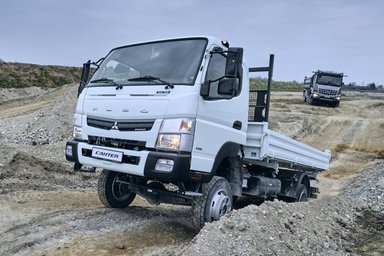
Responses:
[144,104]
[323,87]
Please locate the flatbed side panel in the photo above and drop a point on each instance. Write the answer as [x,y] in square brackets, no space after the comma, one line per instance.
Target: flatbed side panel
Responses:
[266,145]
[255,139]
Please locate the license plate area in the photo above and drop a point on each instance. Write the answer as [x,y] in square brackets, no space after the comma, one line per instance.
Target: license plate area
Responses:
[105,154]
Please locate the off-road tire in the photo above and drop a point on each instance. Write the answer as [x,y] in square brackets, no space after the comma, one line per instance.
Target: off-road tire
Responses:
[111,193]
[218,188]
[310,100]
[302,193]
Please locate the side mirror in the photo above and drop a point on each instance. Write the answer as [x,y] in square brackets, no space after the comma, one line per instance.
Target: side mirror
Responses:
[234,61]
[228,86]
[84,77]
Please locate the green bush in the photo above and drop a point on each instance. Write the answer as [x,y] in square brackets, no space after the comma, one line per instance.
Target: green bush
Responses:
[18,75]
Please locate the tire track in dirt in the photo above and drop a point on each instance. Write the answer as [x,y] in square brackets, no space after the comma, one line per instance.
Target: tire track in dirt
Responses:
[23,106]
[72,216]
[354,132]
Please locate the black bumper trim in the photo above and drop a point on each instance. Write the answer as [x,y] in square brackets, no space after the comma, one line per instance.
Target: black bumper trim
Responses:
[74,157]
[180,168]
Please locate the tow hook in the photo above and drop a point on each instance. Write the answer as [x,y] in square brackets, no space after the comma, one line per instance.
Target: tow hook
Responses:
[78,168]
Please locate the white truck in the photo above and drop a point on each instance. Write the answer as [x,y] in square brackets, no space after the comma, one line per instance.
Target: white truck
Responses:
[323,86]
[174,121]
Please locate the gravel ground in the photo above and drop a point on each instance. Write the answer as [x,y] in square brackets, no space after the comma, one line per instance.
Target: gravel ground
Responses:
[46,209]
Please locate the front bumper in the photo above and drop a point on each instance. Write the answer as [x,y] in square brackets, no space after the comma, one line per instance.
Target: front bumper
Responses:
[326,98]
[139,163]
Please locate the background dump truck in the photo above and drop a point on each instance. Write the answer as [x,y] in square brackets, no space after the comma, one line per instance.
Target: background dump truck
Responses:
[323,86]
[167,120]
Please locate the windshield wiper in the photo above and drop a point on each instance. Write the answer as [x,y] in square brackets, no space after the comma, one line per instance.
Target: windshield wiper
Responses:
[109,81]
[149,78]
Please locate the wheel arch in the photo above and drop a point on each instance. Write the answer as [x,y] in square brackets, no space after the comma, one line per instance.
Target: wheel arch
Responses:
[227,150]
[292,180]
[305,181]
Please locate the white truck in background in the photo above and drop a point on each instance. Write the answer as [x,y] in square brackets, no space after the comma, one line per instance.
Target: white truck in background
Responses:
[174,121]
[323,87]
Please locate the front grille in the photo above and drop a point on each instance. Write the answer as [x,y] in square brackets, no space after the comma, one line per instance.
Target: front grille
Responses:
[135,160]
[116,143]
[135,126]
[108,124]
[101,124]
[328,92]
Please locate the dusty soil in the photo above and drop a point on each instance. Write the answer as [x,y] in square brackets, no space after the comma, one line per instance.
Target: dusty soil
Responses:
[46,209]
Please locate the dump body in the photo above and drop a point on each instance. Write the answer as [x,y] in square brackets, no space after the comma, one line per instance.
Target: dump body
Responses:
[266,145]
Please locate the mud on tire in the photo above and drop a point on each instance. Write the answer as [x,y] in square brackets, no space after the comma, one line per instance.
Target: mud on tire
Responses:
[114,194]
[216,201]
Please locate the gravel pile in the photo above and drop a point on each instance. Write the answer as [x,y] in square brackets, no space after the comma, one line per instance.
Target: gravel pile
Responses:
[318,227]
[50,124]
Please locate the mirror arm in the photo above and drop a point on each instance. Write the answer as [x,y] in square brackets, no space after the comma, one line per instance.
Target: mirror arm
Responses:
[84,77]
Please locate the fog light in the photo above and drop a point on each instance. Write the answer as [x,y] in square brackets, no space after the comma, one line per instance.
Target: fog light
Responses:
[164,165]
[68,150]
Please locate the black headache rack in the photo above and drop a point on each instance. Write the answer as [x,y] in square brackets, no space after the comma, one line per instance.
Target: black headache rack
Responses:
[259,99]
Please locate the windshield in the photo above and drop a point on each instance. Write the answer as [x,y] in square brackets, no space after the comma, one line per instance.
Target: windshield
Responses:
[329,80]
[176,62]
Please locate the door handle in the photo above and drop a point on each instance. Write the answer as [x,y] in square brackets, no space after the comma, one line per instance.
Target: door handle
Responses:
[237,125]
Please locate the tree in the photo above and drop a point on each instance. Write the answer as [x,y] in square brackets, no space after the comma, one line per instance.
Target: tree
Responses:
[371,86]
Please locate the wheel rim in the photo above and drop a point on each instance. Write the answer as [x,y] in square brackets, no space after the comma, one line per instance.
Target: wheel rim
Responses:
[220,205]
[302,197]
[120,190]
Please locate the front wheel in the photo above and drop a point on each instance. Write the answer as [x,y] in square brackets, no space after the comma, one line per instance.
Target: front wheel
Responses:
[113,190]
[216,201]
[310,100]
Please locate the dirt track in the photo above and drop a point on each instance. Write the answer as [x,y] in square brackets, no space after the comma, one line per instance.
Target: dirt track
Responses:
[46,209]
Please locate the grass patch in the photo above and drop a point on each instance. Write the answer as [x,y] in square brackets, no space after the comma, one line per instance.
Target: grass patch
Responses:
[261,83]
[20,75]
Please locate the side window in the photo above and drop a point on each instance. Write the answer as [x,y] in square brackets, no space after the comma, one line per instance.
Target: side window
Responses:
[216,70]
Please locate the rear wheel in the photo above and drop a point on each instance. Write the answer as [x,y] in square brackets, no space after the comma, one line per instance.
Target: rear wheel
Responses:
[112,190]
[216,201]
[302,193]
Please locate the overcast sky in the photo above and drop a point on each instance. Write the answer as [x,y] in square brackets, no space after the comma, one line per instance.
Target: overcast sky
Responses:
[340,35]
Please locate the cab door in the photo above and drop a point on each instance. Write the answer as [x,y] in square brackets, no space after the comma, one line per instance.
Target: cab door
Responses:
[222,114]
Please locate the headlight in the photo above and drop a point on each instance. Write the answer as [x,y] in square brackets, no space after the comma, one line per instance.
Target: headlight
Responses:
[315,95]
[176,134]
[168,141]
[77,133]
[338,98]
